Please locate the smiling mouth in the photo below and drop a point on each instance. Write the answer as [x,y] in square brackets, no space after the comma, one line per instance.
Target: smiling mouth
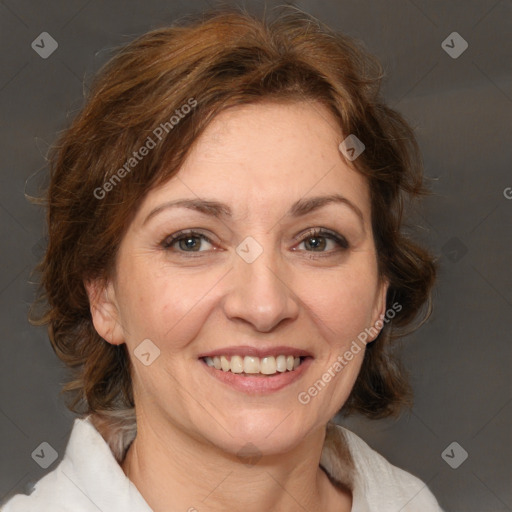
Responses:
[251,366]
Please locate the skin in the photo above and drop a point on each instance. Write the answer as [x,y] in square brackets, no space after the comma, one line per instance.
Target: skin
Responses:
[257,159]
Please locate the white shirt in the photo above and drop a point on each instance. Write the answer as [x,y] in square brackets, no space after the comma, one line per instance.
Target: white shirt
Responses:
[89,478]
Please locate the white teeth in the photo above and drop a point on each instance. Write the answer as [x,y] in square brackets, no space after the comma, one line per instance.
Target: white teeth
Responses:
[224,363]
[268,365]
[237,364]
[251,364]
[281,363]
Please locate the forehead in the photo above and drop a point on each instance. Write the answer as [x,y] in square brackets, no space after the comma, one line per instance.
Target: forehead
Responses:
[265,156]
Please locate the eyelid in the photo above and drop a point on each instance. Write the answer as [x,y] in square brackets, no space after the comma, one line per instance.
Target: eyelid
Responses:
[338,238]
[192,232]
[323,232]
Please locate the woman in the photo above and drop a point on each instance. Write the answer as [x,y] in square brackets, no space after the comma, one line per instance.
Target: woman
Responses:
[226,272]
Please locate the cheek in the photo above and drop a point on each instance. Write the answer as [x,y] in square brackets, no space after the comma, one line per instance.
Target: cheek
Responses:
[165,306]
[341,303]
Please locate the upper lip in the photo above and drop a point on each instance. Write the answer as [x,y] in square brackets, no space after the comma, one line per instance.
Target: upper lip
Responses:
[247,350]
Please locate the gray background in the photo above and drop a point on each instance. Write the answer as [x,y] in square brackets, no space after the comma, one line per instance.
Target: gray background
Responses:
[461,109]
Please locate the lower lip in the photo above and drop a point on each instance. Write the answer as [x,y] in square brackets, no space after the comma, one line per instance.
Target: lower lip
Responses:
[261,384]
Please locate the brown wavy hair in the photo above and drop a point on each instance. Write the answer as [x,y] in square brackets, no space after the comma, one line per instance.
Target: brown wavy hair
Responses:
[223,59]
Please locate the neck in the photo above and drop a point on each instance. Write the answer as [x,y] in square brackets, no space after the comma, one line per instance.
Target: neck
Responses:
[191,475]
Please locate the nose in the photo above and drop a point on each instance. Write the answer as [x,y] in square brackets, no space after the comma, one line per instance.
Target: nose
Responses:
[260,293]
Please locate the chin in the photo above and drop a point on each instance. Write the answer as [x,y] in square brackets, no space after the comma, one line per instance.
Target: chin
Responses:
[264,432]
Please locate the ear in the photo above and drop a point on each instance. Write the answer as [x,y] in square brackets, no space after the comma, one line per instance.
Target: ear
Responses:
[379,310]
[105,310]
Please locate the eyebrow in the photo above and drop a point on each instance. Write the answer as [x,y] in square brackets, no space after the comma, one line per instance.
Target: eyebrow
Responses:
[216,209]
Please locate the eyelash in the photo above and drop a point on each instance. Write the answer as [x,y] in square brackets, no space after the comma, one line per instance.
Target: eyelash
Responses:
[342,242]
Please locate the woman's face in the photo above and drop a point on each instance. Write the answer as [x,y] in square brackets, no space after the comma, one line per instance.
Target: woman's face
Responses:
[267,271]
